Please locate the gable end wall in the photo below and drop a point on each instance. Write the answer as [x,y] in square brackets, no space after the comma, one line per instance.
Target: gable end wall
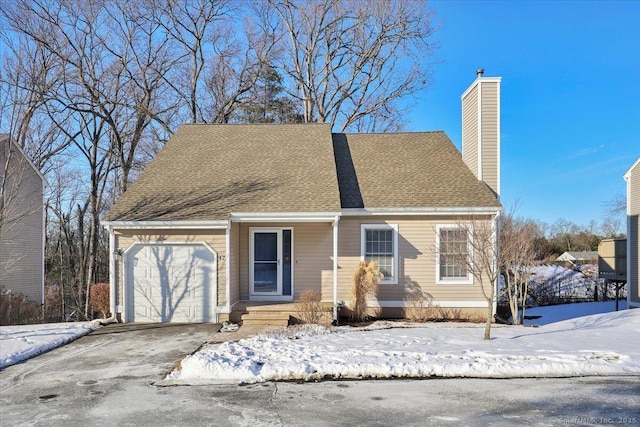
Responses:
[633,235]
[21,242]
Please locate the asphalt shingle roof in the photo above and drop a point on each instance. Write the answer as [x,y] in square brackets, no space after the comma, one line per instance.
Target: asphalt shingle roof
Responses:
[406,170]
[206,172]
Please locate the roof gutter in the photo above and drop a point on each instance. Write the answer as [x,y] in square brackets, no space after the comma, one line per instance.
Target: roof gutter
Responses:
[423,211]
[150,225]
[284,216]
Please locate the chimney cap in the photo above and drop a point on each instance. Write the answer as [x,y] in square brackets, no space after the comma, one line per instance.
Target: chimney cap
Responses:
[480,72]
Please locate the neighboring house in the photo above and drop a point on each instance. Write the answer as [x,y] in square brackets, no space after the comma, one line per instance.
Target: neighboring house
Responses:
[576,258]
[612,260]
[228,218]
[633,240]
[21,223]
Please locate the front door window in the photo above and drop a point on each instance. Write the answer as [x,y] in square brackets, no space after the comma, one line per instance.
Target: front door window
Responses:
[265,263]
[271,262]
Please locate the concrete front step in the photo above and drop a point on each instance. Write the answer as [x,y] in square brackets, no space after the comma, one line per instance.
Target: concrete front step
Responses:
[265,322]
[265,317]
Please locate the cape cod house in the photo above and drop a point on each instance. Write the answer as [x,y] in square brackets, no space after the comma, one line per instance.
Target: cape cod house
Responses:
[231,219]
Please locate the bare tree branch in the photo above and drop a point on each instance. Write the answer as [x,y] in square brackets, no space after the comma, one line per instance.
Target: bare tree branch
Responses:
[350,62]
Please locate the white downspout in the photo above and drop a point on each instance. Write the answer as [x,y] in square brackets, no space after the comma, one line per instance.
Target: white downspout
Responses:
[335,268]
[112,271]
[227,268]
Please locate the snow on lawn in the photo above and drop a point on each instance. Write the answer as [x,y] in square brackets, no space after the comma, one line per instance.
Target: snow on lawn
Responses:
[601,344]
[556,313]
[18,343]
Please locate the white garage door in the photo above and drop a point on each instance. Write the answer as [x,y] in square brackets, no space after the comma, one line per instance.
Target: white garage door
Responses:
[171,283]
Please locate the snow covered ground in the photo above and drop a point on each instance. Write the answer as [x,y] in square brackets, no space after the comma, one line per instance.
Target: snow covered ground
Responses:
[556,313]
[18,343]
[599,344]
[557,273]
[559,281]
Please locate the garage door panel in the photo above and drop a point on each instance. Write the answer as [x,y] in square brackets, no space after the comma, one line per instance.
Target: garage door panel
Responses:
[172,283]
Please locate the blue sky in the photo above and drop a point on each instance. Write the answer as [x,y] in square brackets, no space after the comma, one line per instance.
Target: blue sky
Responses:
[570,96]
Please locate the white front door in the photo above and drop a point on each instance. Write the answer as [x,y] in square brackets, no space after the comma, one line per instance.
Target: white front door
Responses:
[270,264]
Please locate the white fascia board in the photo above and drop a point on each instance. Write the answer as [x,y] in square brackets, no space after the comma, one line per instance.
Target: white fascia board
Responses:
[627,174]
[421,211]
[284,216]
[469,89]
[475,82]
[149,225]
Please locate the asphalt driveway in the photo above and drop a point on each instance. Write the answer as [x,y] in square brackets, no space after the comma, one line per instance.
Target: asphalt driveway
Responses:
[108,378]
[113,367]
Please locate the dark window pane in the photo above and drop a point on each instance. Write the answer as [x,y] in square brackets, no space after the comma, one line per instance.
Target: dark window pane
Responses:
[265,246]
[286,262]
[265,277]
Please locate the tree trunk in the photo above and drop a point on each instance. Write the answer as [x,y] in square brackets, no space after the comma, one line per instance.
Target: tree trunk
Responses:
[487,325]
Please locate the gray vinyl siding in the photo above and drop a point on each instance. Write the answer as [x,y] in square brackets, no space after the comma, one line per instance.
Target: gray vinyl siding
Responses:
[490,135]
[214,238]
[633,234]
[470,130]
[21,242]
[416,260]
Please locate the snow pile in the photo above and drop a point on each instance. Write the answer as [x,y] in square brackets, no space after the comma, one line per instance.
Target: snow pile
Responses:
[18,343]
[593,345]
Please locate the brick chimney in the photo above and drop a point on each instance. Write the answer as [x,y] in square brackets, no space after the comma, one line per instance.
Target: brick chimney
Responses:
[481,129]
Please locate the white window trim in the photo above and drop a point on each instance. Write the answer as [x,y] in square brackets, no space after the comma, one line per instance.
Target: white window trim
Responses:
[453,281]
[363,242]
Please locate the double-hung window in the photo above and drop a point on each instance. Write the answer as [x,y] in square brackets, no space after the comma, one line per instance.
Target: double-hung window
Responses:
[453,255]
[380,244]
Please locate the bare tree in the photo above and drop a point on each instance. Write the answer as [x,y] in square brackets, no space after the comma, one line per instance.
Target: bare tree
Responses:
[28,76]
[189,25]
[517,252]
[76,35]
[349,62]
[472,248]
[564,233]
[611,226]
[236,68]
[614,218]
